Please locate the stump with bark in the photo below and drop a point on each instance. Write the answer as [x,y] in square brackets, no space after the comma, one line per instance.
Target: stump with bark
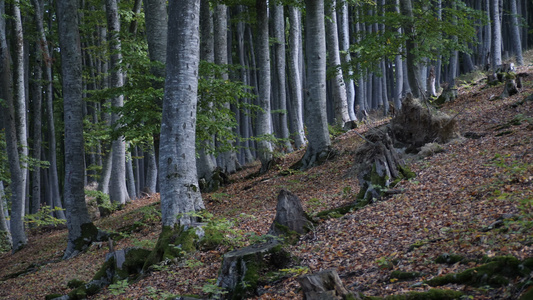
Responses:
[378,165]
[418,124]
[324,285]
[243,269]
[291,219]
[510,88]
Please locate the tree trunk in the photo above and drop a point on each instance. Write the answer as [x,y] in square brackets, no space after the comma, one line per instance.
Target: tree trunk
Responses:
[280,62]
[264,119]
[413,70]
[515,34]
[338,88]
[81,231]
[180,193]
[118,191]
[295,80]
[319,148]
[344,45]
[37,128]
[5,234]
[496,34]
[17,186]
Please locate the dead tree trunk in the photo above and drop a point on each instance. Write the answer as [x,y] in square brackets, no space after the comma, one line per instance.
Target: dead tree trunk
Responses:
[324,285]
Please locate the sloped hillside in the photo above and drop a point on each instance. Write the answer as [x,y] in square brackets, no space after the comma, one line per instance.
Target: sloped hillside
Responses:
[473,200]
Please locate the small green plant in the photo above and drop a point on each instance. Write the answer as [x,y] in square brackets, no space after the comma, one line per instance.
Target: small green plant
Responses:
[44,217]
[147,244]
[119,287]
[159,294]
[193,263]
[211,288]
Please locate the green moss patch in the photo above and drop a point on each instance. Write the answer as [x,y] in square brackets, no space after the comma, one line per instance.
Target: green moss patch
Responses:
[433,294]
[495,273]
[173,243]
[400,275]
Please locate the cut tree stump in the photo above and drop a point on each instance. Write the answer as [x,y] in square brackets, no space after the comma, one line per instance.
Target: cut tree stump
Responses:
[510,89]
[242,269]
[290,216]
[324,285]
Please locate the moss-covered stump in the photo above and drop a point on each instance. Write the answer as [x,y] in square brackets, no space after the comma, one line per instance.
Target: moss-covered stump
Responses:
[324,285]
[242,269]
[173,243]
[499,271]
[291,220]
[433,294]
[418,124]
[121,264]
[378,165]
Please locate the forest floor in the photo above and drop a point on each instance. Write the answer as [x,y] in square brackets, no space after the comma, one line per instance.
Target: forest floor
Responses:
[447,208]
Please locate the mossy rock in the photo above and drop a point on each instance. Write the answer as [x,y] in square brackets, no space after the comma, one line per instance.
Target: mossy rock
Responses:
[74,283]
[52,296]
[495,273]
[173,243]
[433,294]
[78,293]
[133,263]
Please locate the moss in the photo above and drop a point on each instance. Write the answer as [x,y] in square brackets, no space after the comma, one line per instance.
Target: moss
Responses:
[89,233]
[406,172]
[102,272]
[404,275]
[52,296]
[173,243]
[494,273]
[433,294]
[92,289]
[290,236]
[74,283]
[341,211]
[78,293]
[527,295]
[134,262]
[448,258]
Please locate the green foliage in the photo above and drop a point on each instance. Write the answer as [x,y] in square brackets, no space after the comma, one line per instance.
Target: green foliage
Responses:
[212,289]
[155,293]
[118,287]
[44,217]
[4,167]
[432,36]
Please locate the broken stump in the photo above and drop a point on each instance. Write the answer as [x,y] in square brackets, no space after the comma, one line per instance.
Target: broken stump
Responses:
[324,285]
[242,269]
[290,216]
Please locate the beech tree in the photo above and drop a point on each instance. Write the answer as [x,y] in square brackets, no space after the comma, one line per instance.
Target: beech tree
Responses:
[81,230]
[319,147]
[180,193]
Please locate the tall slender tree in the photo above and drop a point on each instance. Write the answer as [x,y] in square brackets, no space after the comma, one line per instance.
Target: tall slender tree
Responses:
[81,230]
[319,148]
[180,193]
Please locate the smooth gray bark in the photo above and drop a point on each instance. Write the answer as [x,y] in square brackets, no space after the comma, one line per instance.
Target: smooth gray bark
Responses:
[264,119]
[228,159]
[515,34]
[280,65]
[9,118]
[78,220]
[118,191]
[496,46]
[338,88]
[344,45]
[37,125]
[413,68]
[295,80]
[5,234]
[319,147]
[180,193]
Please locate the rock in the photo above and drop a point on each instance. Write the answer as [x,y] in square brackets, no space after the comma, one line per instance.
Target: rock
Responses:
[430,149]
[324,285]
[242,269]
[290,215]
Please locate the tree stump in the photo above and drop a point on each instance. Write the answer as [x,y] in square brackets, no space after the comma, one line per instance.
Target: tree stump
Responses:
[510,88]
[378,165]
[324,285]
[290,216]
[418,124]
[242,269]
